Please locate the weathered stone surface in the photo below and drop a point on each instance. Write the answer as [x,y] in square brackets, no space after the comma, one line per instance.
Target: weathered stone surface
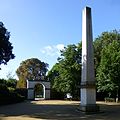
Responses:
[88,90]
[46,88]
[92,108]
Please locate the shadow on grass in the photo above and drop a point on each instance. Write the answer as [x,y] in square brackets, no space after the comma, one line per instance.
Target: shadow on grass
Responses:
[57,112]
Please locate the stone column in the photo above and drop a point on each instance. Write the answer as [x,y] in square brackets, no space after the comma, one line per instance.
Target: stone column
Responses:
[88,90]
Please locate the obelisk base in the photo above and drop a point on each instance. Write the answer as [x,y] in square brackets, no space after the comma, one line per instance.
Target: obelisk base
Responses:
[88,97]
[90,108]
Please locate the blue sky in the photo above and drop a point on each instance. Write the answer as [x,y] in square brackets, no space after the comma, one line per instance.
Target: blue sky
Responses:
[40,28]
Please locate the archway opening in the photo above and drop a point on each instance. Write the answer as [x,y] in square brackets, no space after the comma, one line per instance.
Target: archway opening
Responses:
[39,91]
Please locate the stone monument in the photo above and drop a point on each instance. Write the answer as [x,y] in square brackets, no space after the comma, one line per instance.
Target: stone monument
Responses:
[88,89]
[31,89]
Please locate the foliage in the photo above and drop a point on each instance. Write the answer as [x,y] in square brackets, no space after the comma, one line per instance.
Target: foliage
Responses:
[31,69]
[8,83]
[8,94]
[107,99]
[103,41]
[38,88]
[3,81]
[108,72]
[5,46]
[55,95]
[10,97]
[21,83]
[22,92]
[11,83]
[3,89]
[65,75]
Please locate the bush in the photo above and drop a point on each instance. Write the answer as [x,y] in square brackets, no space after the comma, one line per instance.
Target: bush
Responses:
[100,96]
[9,96]
[54,95]
[4,90]
[22,92]
[15,97]
[107,99]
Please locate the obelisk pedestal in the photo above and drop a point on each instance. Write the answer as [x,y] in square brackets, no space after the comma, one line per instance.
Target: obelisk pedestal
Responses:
[88,89]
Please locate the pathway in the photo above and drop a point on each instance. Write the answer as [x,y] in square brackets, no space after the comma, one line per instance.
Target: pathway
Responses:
[56,110]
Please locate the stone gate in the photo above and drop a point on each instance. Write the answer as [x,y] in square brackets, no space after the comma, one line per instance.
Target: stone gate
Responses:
[43,91]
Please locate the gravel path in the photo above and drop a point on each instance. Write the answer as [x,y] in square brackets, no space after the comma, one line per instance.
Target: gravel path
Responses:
[56,110]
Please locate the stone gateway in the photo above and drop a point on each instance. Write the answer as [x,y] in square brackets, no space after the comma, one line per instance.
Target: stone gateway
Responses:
[38,89]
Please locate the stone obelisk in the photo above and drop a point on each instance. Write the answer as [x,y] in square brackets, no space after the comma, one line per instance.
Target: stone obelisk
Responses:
[88,90]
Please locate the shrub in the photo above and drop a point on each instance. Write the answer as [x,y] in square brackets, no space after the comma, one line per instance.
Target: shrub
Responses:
[56,95]
[107,99]
[22,92]
[3,89]
[9,96]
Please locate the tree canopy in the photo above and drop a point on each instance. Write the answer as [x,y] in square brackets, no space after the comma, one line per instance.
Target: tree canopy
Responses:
[5,45]
[107,62]
[65,75]
[108,72]
[102,41]
[31,69]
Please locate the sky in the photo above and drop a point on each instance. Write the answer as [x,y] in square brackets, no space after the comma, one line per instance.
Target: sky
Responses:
[41,28]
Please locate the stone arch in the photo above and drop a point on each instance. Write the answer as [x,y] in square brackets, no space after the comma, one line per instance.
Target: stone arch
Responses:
[31,89]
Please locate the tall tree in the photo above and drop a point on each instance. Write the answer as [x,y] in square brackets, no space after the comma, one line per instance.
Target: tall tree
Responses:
[31,69]
[101,45]
[65,75]
[102,41]
[5,46]
[108,72]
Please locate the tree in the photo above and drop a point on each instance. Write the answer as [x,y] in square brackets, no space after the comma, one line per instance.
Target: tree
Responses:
[108,72]
[31,69]
[65,75]
[101,44]
[102,41]
[5,46]
[11,82]
[21,83]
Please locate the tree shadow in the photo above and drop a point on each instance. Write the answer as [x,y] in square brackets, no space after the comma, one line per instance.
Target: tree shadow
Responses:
[58,112]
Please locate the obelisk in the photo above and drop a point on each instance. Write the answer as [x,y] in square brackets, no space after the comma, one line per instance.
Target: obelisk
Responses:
[88,89]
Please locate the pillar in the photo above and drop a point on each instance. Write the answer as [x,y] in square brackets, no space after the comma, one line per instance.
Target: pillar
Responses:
[88,90]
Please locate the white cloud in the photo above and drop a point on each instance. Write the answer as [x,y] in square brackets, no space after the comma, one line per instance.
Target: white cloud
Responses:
[52,50]
[60,46]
